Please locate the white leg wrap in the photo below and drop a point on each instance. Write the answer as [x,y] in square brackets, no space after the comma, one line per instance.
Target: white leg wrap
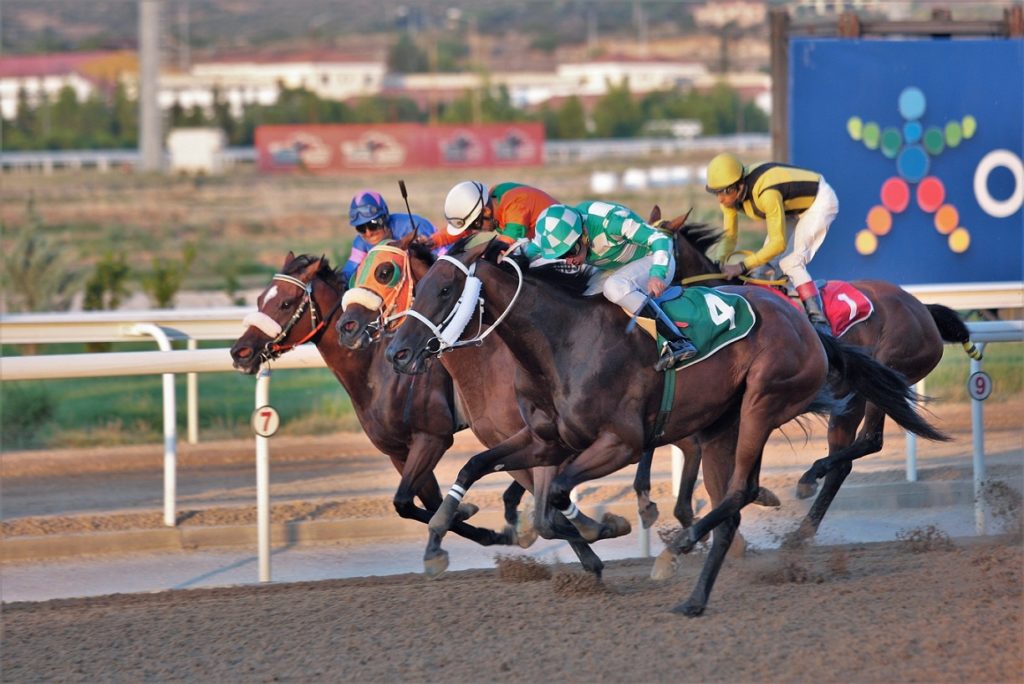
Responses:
[457,492]
[571,512]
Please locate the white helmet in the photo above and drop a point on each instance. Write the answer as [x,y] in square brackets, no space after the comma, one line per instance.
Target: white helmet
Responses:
[463,205]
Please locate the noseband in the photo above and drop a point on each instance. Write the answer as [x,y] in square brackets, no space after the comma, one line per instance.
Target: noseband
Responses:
[317,322]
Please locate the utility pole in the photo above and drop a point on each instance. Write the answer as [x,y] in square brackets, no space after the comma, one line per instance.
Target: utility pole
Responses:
[150,122]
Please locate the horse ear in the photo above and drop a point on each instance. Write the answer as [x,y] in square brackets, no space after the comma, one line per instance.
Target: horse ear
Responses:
[287,260]
[404,242]
[655,215]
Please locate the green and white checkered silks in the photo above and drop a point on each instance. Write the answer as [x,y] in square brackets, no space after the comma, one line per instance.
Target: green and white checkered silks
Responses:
[557,230]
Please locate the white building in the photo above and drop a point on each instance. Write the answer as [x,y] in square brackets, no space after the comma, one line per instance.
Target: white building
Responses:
[46,75]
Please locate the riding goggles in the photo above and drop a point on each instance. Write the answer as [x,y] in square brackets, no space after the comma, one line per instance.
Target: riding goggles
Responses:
[460,223]
[372,225]
[363,211]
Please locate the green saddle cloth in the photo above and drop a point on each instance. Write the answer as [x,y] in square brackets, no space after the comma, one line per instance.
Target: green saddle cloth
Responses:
[714,319]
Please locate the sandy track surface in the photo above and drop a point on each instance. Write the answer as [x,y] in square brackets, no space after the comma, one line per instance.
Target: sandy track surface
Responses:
[865,613]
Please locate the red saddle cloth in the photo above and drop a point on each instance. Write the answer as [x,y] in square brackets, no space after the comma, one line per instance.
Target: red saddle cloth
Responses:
[845,305]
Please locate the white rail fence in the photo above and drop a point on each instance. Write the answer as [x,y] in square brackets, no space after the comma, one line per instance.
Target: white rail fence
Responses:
[226,324]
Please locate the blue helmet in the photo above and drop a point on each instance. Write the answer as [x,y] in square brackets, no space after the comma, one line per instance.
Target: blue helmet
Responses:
[367,206]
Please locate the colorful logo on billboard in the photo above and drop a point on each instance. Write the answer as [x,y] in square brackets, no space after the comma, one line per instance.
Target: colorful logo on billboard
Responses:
[301,150]
[912,147]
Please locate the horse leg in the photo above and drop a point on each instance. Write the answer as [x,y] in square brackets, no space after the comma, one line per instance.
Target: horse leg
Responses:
[515,453]
[642,486]
[745,454]
[683,510]
[551,524]
[841,432]
[869,441]
[722,538]
[519,527]
[607,454]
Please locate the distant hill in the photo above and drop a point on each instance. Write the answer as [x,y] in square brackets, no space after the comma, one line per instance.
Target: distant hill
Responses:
[524,31]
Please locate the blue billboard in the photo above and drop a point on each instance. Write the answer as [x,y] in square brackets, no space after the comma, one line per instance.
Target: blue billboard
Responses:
[923,141]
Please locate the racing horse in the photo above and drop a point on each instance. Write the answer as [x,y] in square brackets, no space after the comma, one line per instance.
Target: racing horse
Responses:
[901,333]
[411,420]
[587,388]
[482,372]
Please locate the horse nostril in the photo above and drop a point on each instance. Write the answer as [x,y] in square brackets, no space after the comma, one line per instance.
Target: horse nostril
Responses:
[243,353]
[349,327]
[402,355]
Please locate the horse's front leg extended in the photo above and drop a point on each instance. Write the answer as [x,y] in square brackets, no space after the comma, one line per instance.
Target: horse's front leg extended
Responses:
[515,453]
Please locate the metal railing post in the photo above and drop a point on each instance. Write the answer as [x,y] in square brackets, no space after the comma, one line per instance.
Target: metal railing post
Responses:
[263,480]
[170,423]
[978,453]
[192,401]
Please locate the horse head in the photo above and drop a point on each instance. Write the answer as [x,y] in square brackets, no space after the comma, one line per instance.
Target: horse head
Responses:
[295,308]
[382,287]
[446,297]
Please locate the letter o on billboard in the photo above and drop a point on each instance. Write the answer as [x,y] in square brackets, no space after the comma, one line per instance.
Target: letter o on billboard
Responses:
[992,206]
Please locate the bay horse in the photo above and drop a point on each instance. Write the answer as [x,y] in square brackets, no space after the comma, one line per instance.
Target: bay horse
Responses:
[483,373]
[587,388]
[901,333]
[411,420]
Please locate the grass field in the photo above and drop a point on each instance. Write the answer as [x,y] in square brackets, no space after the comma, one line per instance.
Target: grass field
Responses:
[107,411]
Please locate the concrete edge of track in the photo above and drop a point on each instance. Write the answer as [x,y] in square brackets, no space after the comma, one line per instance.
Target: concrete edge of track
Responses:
[878,496]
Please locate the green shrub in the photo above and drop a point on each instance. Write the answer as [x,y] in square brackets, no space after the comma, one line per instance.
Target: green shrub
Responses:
[25,411]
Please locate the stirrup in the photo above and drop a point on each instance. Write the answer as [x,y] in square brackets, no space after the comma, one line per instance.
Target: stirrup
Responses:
[671,358]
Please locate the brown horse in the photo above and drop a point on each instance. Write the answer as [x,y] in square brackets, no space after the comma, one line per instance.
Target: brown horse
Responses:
[585,387]
[411,420]
[901,333]
[483,373]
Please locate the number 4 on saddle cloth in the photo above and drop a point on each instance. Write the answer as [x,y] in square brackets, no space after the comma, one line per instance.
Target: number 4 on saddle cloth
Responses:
[712,319]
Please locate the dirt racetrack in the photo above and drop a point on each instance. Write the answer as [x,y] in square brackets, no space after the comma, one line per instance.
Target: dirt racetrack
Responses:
[887,612]
[920,609]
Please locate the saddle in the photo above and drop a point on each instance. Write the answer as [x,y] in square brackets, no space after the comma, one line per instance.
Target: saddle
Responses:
[845,306]
[712,319]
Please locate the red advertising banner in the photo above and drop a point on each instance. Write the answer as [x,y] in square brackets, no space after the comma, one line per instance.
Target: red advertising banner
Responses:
[338,148]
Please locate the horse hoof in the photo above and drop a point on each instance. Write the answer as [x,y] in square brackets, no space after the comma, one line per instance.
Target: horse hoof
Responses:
[467,511]
[767,498]
[435,567]
[614,526]
[738,547]
[689,609]
[526,534]
[665,565]
[649,515]
[805,490]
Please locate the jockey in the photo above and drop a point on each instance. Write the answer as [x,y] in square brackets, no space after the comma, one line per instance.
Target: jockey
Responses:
[368,213]
[509,209]
[632,262]
[782,196]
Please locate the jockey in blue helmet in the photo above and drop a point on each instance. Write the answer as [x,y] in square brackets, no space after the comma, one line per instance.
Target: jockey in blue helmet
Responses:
[368,214]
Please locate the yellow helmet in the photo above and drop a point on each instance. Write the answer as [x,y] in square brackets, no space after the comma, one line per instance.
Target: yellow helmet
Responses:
[723,171]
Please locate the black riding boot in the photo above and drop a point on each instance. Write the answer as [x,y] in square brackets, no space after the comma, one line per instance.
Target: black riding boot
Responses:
[816,313]
[678,347]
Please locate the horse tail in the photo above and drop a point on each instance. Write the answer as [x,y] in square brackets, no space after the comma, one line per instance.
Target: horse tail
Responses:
[952,329]
[878,384]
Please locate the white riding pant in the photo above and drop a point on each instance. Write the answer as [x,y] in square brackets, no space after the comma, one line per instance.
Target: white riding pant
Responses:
[805,237]
[627,285]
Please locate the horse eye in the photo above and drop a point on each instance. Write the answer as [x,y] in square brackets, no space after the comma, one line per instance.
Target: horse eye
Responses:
[384,273]
[287,304]
[445,291]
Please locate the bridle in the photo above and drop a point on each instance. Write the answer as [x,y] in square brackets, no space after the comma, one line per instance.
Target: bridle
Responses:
[317,321]
[447,334]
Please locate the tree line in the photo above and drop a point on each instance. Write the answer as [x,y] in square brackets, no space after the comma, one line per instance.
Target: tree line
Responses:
[109,119]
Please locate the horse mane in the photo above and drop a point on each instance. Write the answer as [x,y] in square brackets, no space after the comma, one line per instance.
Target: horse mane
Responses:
[702,236]
[325,272]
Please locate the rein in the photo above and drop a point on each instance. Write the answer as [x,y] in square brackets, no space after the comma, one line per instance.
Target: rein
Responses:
[447,335]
